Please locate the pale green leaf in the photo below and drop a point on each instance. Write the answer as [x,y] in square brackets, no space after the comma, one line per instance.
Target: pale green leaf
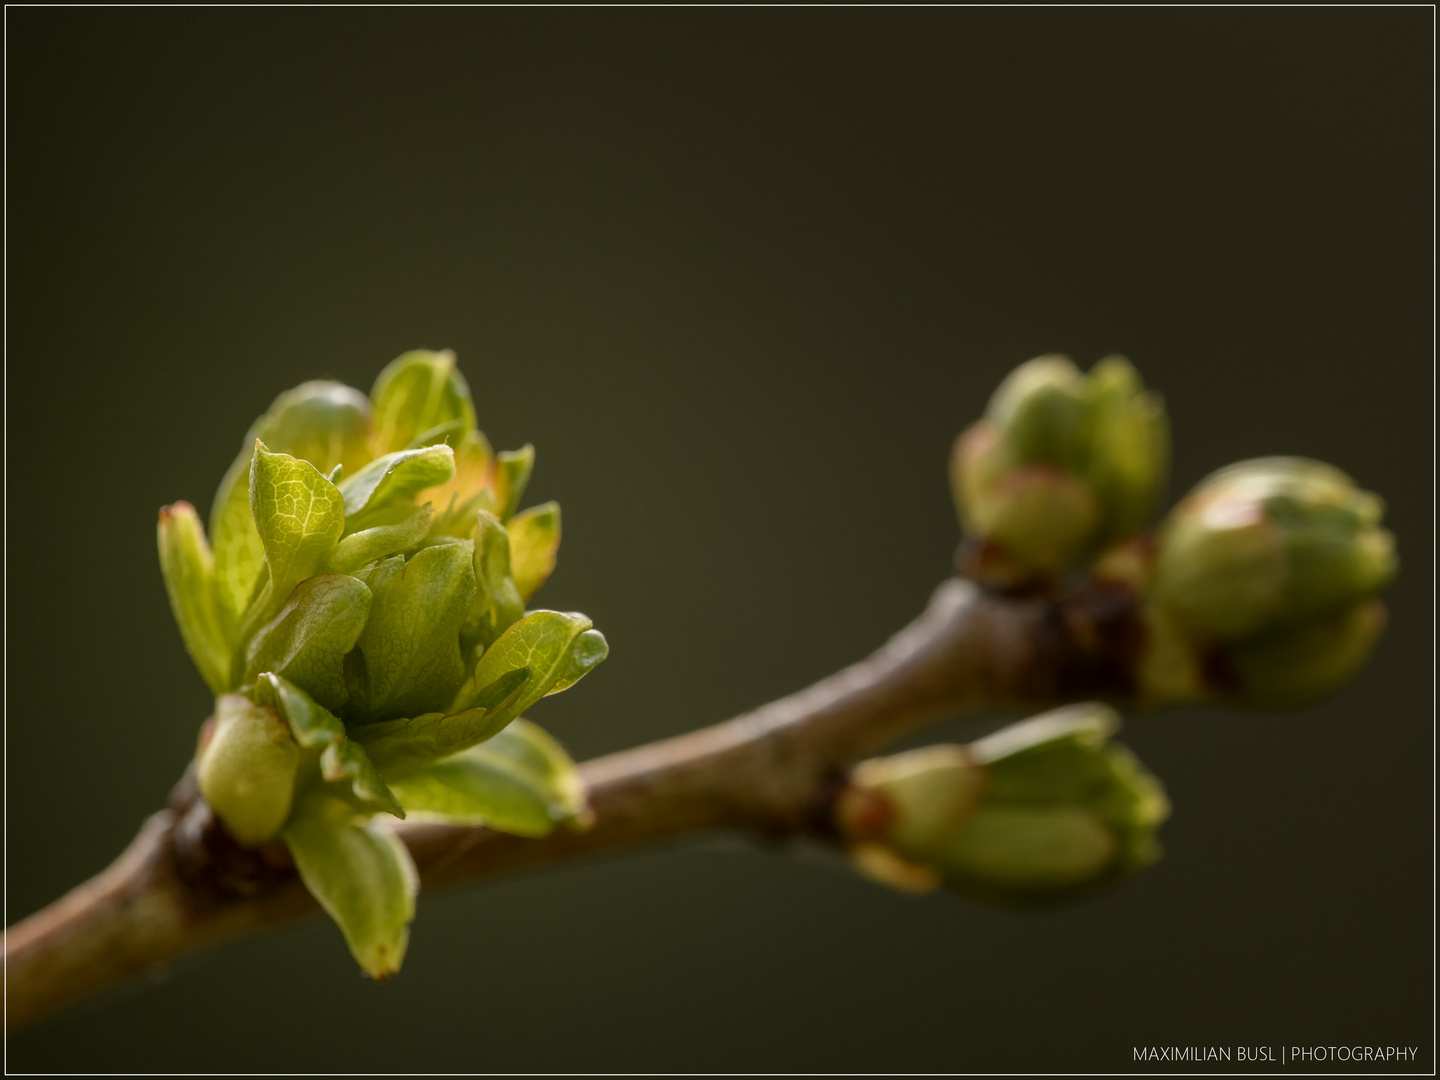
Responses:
[520,781]
[307,640]
[299,515]
[346,760]
[512,474]
[189,571]
[367,545]
[311,724]
[325,423]
[393,481]
[411,644]
[497,602]
[543,643]
[246,768]
[361,874]
[589,650]
[534,540]
[416,393]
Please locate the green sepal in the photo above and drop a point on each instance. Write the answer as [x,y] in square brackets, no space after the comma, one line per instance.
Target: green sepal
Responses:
[246,768]
[415,394]
[299,515]
[189,572]
[346,760]
[326,423]
[307,640]
[520,781]
[411,643]
[311,724]
[534,541]
[361,874]
[393,481]
[367,545]
[497,604]
[544,642]
[397,746]
[512,474]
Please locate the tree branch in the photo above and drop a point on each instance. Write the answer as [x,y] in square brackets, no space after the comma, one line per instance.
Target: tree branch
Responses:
[183,883]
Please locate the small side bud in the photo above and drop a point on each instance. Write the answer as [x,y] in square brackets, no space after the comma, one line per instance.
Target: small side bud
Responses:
[1062,465]
[246,769]
[1037,812]
[1268,572]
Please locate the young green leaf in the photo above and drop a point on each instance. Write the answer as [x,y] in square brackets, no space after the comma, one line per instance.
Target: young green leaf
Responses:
[534,540]
[468,490]
[397,746]
[311,724]
[367,545]
[189,571]
[361,874]
[497,602]
[586,654]
[415,394]
[543,643]
[299,515]
[393,481]
[520,781]
[512,474]
[325,423]
[346,759]
[411,644]
[307,641]
[246,768]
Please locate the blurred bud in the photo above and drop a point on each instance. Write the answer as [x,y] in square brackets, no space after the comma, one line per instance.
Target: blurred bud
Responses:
[1039,811]
[246,768]
[1062,465]
[1269,570]
[326,423]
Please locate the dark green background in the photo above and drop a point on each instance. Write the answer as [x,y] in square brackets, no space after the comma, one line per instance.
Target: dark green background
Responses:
[740,275]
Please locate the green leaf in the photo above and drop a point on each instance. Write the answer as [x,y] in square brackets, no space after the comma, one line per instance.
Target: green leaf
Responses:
[396,746]
[589,650]
[299,515]
[543,643]
[534,540]
[246,768]
[307,641]
[346,759]
[416,393]
[497,603]
[393,481]
[361,874]
[411,644]
[325,423]
[367,545]
[521,781]
[311,724]
[189,571]
[512,474]
[468,490]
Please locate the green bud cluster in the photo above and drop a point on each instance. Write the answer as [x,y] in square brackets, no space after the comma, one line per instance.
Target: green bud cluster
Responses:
[1062,465]
[1265,584]
[1039,812]
[359,611]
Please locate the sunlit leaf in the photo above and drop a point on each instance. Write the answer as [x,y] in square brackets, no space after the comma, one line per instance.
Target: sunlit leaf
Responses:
[543,643]
[189,571]
[361,874]
[520,781]
[416,393]
[367,545]
[497,602]
[512,474]
[534,540]
[389,484]
[299,515]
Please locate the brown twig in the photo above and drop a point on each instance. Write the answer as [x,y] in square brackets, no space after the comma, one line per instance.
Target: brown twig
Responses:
[183,884]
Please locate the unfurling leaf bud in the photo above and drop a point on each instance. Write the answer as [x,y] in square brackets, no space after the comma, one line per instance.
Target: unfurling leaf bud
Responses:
[1062,465]
[1269,573]
[1037,812]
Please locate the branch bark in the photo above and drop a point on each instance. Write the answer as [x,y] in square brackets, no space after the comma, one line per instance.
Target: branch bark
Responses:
[182,884]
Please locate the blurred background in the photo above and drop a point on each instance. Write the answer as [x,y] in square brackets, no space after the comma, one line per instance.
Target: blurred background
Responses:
[741,276]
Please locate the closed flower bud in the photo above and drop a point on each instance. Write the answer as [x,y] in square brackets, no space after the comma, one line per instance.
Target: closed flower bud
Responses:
[1039,811]
[246,768]
[1270,570]
[1062,465]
